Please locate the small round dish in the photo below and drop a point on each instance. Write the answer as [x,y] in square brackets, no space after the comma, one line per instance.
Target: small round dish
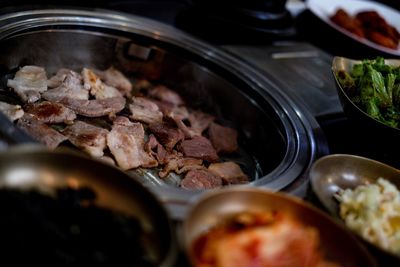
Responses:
[212,208]
[331,173]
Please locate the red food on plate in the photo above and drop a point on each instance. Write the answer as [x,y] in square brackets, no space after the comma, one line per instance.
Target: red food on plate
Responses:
[370,25]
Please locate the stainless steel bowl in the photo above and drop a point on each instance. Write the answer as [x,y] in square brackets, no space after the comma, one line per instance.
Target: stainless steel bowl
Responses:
[337,243]
[353,111]
[32,167]
[340,171]
[278,137]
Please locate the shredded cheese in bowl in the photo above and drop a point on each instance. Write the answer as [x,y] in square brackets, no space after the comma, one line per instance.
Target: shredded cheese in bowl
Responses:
[373,211]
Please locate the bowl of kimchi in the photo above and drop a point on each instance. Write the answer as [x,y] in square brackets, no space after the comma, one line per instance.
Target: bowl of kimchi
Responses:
[244,226]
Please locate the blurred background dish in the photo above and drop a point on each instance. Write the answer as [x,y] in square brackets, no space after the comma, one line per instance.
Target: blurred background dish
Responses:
[324,10]
[331,173]
[214,208]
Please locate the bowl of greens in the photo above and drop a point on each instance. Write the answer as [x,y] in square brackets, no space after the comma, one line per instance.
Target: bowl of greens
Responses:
[369,91]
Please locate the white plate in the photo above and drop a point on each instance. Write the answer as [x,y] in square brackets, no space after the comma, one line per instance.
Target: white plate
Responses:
[324,9]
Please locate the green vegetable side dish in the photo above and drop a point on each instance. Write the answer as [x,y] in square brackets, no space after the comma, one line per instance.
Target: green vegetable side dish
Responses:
[375,88]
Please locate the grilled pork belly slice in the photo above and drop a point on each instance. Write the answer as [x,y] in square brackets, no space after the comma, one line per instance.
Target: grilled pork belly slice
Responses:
[175,162]
[51,112]
[145,110]
[89,138]
[230,172]
[199,147]
[40,131]
[199,121]
[115,78]
[126,143]
[97,88]
[13,112]
[224,139]
[165,94]
[28,83]
[200,179]
[168,135]
[58,78]
[95,107]
[71,87]
[154,148]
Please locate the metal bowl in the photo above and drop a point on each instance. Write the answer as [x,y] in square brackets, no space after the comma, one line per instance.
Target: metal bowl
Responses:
[355,113]
[32,167]
[337,243]
[278,137]
[331,173]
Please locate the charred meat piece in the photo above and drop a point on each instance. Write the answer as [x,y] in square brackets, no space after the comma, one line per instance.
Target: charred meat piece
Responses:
[145,110]
[154,148]
[224,139]
[115,78]
[89,138]
[344,20]
[126,143]
[165,94]
[40,131]
[58,79]
[51,112]
[97,88]
[71,87]
[179,164]
[13,112]
[230,172]
[200,179]
[28,83]
[199,147]
[95,107]
[168,135]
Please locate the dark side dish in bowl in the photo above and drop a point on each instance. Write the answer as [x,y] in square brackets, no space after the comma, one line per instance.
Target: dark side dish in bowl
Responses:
[68,229]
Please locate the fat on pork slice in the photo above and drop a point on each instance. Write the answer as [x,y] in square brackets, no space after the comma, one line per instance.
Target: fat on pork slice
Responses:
[97,88]
[57,79]
[13,112]
[229,171]
[165,94]
[199,121]
[40,131]
[89,138]
[126,143]
[200,179]
[224,139]
[115,78]
[166,134]
[96,107]
[199,147]
[51,112]
[71,87]
[28,83]
[145,110]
